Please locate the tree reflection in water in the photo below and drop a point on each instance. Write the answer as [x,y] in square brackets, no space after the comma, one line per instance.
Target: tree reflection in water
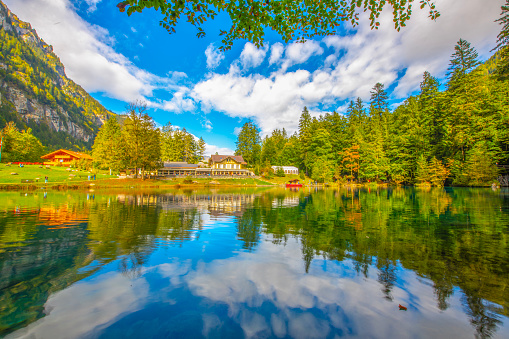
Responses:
[455,238]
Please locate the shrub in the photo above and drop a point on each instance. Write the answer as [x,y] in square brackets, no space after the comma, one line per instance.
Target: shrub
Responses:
[280,172]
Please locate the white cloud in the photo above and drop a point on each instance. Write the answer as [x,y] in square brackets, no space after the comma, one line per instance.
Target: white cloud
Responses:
[212,149]
[276,52]
[252,56]
[360,61]
[86,50]
[84,306]
[214,56]
[92,5]
[314,304]
[207,124]
[179,103]
[298,53]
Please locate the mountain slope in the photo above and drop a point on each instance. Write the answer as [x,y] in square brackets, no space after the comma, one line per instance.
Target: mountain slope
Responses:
[36,93]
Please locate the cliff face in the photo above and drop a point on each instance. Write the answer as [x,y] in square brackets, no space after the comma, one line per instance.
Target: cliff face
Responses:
[35,91]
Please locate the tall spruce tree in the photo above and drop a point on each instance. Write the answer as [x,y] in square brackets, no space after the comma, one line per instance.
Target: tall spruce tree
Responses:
[305,122]
[463,60]
[378,99]
[249,143]
[201,149]
[502,69]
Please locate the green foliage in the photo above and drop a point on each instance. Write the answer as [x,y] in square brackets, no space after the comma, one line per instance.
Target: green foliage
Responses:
[280,172]
[480,166]
[108,150]
[463,60]
[39,74]
[502,69]
[302,176]
[180,145]
[274,148]
[323,169]
[20,146]
[141,138]
[292,20]
[458,134]
[249,143]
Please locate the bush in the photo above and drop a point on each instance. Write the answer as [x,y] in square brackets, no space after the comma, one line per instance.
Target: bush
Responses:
[280,172]
[188,180]
[302,176]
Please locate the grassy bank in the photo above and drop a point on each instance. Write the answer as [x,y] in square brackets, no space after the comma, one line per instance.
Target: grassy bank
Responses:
[63,178]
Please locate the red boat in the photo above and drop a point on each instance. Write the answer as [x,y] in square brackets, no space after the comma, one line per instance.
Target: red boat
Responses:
[293,183]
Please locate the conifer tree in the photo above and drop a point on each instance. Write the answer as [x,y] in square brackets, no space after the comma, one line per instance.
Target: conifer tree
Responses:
[503,43]
[249,143]
[305,138]
[201,149]
[463,60]
[378,99]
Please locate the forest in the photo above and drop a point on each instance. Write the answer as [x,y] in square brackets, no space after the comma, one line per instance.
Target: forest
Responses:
[454,136]
[137,143]
[455,133]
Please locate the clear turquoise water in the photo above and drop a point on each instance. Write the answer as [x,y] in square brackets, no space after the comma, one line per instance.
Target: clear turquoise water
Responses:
[255,263]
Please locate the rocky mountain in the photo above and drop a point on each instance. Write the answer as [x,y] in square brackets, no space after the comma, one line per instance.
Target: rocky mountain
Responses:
[36,93]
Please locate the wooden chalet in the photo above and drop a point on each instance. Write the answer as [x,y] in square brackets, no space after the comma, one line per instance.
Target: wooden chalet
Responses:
[64,157]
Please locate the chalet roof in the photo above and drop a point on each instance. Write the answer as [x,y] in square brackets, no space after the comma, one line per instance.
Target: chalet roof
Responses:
[175,164]
[74,154]
[219,158]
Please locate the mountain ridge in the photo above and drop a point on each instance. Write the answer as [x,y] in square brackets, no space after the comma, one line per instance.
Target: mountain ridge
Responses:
[36,93]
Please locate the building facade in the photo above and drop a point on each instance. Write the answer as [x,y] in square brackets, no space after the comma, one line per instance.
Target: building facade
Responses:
[219,166]
[287,169]
[64,157]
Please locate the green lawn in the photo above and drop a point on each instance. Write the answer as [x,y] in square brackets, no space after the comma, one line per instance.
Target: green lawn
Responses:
[54,174]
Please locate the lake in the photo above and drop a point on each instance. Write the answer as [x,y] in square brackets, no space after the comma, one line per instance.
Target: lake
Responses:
[255,263]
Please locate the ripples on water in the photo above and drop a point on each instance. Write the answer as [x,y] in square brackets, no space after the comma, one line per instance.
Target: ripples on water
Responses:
[392,263]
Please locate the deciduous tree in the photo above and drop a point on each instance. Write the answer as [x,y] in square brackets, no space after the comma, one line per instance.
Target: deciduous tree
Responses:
[141,139]
[292,20]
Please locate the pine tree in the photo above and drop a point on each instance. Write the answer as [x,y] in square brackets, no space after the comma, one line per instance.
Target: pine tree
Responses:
[305,122]
[201,148]
[503,43]
[463,60]
[249,143]
[378,99]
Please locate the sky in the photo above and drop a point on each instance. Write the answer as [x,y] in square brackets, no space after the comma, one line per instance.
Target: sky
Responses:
[188,82]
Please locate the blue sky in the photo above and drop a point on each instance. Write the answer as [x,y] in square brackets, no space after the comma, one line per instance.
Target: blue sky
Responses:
[188,82]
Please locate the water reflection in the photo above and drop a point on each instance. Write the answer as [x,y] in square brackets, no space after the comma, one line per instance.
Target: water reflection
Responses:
[256,263]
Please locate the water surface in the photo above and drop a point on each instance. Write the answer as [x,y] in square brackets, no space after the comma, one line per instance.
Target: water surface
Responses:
[255,263]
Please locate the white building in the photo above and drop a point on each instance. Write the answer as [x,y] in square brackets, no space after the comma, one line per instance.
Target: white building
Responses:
[287,169]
